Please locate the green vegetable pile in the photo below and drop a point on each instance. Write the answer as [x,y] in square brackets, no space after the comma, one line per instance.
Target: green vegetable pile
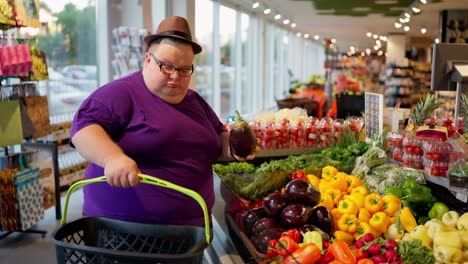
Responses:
[414,252]
[252,182]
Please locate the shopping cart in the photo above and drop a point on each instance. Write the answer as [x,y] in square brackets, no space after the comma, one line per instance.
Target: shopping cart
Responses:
[102,240]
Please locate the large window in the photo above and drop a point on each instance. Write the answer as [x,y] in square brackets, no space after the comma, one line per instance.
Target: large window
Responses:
[68,38]
[227,37]
[203,75]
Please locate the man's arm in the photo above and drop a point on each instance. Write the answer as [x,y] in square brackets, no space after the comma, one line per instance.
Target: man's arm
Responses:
[95,145]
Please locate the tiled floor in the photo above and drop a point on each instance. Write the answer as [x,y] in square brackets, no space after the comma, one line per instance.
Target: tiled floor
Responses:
[24,248]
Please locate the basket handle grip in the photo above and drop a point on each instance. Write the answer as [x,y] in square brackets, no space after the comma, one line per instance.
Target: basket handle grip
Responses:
[147,180]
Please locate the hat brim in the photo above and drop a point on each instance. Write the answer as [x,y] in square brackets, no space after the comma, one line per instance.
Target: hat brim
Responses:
[150,38]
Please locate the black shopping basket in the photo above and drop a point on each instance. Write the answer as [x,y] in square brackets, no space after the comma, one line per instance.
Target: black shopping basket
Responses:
[101,240]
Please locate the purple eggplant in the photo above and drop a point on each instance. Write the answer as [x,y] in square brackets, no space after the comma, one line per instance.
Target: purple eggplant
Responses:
[249,217]
[300,191]
[242,140]
[264,224]
[275,203]
[295,215]
[261,241]
[322,218]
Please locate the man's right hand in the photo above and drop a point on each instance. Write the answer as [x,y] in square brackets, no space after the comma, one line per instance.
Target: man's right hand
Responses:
[121,171]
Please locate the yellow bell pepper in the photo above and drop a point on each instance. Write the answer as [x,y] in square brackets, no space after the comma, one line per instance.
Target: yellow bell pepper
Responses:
[448,255]
[327,202]
[362,229]
[364,215]
[348,223]
[328,172]
[353,182]
[373,203]
[361,190]
[420,233]
[339,182]
[357,198]
[324,186]
[380,222]
[347,207]
[407,219]
[314,180]
[345,236]
[391,204]
[334,195]
[448,239]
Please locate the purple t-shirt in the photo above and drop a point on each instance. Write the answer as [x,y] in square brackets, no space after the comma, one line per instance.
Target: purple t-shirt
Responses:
[178,143]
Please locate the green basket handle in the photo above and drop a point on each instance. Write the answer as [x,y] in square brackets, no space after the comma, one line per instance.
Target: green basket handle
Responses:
[148,180]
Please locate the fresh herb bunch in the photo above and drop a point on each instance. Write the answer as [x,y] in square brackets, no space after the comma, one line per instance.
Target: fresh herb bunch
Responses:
[414,252]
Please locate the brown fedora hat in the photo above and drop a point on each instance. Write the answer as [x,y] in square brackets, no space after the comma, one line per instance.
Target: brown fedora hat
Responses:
[174,27]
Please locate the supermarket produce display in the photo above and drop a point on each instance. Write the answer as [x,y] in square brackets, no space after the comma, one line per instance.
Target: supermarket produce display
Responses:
[347,201]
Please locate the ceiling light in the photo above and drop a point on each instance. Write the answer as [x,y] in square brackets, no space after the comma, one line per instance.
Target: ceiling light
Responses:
[406,28]
[384,38]
[293,25]
[333,41]
[369,34]
[368,51]
[378,42]
[407,15]
[286,21]
[402,20]
[423,2]
[397,25]
[423,30]
[363,54]
[255,5]
[437,40]
[306,36]
[376,47]
[351,48]
[379,53]
[416,10]
[375,36]
[299,34]
[267,11]
[277,16]
[316,37]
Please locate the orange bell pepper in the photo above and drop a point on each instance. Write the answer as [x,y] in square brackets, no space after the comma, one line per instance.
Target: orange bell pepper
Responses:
[308,253]
[365,261]
[373,203]
[342,252]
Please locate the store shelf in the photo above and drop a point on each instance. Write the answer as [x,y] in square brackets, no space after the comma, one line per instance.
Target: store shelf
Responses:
[285,152]
[461,195]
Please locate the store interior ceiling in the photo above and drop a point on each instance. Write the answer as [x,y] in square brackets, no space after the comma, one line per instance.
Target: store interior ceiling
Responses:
[349,21]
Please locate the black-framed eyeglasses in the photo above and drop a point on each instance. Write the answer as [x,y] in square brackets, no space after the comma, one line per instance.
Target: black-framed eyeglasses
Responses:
[168,69]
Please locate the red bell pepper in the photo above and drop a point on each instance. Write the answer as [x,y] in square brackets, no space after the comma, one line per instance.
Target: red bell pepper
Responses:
[342,252]
[298,175]
[294,234]
[286,246]
[271,251]
[309,253]
[256,203]
[326,258]
[326,244]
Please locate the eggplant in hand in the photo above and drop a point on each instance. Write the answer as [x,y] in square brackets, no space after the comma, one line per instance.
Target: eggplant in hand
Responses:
[242,140]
